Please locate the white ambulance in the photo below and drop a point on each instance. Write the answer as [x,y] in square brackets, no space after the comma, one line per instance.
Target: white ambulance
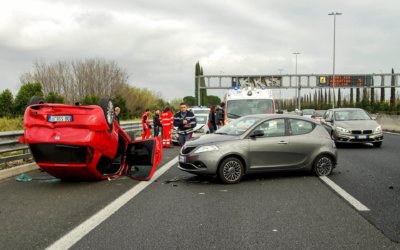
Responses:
[247,101]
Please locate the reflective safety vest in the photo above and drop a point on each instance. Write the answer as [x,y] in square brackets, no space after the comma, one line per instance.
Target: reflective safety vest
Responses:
[167,119]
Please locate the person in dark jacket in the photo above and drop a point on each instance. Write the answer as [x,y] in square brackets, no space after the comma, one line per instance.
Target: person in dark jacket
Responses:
[156,123]
[212,124]
[185,121]
[220,115]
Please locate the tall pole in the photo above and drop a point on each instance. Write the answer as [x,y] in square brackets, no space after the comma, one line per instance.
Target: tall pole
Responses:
[334,14]
[297,80]
[280,90]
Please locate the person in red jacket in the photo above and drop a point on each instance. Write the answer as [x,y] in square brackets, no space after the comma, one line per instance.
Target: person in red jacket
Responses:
[167,121]
[146,125]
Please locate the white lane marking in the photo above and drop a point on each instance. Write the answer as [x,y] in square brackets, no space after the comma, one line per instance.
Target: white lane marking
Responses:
[83,229]
[353,201]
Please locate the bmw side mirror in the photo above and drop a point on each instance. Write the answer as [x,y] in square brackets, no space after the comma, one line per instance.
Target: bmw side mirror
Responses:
[257,133]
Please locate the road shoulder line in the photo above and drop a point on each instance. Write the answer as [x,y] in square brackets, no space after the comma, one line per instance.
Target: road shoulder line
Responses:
[84,228]
[350,199]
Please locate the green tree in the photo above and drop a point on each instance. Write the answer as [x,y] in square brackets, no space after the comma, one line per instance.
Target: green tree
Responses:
[197,82]
[372,96]
[190,100]
[352,97]
[213,100]
[357,97]
[392,92]
[339,99]
[25,93]
[203,91]
[121,103]
[54,98]
[174,103]
[6,103]
[91,100]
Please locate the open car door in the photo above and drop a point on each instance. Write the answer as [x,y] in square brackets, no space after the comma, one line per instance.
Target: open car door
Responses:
[142,158]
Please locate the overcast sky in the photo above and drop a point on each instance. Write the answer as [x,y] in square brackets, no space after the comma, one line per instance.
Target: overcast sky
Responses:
[158,42]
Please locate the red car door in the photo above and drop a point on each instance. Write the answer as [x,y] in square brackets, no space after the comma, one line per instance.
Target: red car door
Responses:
[142,158]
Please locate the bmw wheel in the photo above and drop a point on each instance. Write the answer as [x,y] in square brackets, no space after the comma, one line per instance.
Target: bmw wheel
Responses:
[323,165]
[108,109]
[231,170]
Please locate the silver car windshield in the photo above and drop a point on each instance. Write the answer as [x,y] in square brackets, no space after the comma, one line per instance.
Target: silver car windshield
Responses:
[239,126]
[351,115]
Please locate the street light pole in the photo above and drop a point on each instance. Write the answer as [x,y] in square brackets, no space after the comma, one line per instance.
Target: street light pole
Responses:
[334,14]
[298,85]
[280,90]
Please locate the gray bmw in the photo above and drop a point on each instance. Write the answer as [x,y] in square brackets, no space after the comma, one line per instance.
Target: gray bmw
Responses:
[260,143]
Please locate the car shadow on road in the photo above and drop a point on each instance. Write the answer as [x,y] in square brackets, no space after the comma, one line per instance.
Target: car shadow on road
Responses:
[357,146]
[214,180]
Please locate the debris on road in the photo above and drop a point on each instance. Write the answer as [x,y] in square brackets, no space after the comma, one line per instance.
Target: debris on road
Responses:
[23,178]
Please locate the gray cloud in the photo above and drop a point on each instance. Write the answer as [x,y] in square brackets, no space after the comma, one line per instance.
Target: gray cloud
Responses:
[159,42]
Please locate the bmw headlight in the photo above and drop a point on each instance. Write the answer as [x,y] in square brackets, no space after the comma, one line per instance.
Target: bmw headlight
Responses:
[378,129]
[342,130]
[208,148]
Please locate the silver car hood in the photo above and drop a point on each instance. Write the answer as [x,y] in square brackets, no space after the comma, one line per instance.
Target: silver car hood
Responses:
[212,138]
[357,124]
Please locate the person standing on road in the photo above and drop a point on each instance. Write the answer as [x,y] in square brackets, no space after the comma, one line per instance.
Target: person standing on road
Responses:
[185,121]
[156,123]
[117,110]
[146,125]
[212,124]
[167,120]
[220,115]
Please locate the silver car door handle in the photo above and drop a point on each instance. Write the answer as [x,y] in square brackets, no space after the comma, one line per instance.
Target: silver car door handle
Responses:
[283,142]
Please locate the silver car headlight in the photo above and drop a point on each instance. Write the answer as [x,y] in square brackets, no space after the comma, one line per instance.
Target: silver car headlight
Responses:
[342,130]
[208,148]
[378,129]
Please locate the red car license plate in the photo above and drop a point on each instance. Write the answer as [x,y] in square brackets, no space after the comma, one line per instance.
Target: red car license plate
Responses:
[59,118]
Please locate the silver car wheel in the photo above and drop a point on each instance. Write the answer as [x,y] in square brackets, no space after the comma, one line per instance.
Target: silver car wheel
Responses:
[231,170]
[323,166]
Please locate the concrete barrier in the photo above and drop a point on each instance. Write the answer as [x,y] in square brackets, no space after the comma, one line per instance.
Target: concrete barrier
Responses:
[13,171]
[389,122]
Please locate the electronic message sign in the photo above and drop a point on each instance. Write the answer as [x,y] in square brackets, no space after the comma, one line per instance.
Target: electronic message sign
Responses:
[345,81]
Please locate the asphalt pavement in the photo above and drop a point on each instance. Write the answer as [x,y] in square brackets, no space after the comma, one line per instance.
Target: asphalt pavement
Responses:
[273,211]
[183,211]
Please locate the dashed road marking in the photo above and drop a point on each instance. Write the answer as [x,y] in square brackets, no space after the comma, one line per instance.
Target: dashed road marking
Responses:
[350,199]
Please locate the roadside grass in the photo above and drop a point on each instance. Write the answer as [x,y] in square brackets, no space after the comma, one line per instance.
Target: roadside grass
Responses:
[10,124]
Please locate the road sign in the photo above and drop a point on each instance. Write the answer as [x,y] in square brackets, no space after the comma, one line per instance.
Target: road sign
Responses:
[345,81]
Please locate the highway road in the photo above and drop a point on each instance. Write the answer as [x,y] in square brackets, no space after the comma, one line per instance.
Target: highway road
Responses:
[182,211]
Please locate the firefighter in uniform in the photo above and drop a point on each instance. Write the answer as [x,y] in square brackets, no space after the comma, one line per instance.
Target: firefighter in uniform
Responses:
[167,121]
[146,125]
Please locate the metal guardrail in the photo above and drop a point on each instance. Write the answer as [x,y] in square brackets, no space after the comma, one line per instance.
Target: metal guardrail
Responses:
[12,150]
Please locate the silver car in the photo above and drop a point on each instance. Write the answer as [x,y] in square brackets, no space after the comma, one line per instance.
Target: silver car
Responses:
[352,125]
[200,129]
[259,143]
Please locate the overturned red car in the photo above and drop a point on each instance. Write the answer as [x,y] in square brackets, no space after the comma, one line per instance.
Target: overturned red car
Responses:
[86,142]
